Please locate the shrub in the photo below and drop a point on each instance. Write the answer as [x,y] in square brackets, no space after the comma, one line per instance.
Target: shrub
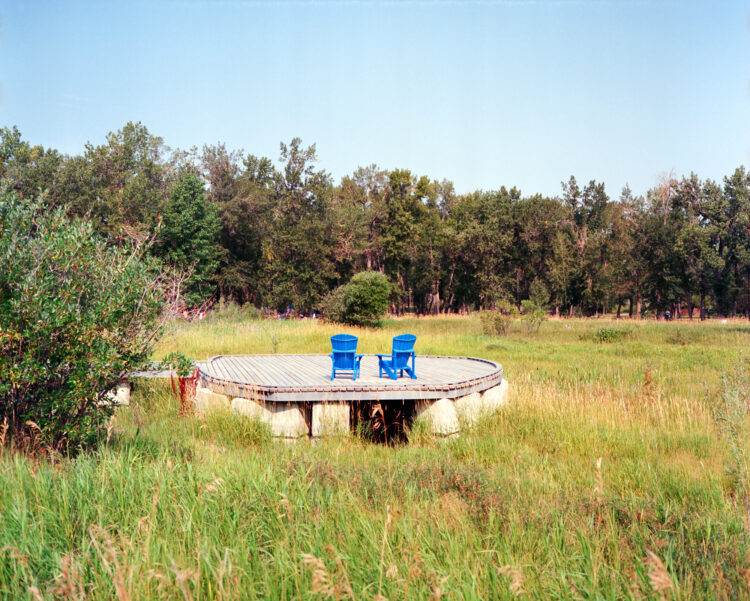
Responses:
[366,298]
[603,335]
[534,315]
[230,310]
[361,302]
[332,306]
[75,316]
[497,323]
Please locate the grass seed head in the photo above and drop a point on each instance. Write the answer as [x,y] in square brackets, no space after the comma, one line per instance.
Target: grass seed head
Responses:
[68,583]
[321,579]
[658,576]
[515,577]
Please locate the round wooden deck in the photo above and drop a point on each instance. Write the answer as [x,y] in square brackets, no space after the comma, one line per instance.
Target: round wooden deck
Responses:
[308,378]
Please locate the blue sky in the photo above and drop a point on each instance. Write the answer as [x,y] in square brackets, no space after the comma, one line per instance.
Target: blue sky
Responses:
[481,93]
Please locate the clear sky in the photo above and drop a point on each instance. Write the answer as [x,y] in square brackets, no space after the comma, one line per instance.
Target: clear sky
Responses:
[481,93]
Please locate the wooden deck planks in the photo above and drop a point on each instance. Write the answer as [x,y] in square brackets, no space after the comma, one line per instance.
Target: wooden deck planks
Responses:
[307,377]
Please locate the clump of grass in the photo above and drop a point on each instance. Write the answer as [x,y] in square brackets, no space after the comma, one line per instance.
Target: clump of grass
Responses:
[732,415]
[230,429]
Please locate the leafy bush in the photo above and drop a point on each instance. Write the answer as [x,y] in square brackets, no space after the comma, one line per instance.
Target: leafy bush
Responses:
[603,335]
[534,315]
[361,302]
[366,298]
[497,323]
[75,316]
[229,309]
[333,305]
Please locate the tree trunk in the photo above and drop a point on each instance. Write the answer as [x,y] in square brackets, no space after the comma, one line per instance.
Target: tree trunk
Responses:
[703,307]
[619,307]
[638,303]
[630,307]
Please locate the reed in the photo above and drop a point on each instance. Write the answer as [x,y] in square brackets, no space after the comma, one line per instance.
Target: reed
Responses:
[606,477]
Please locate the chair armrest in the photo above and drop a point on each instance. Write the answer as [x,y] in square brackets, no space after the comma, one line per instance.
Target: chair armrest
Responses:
[382,355]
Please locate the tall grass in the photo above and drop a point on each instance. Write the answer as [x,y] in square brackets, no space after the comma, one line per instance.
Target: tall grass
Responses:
[606,477]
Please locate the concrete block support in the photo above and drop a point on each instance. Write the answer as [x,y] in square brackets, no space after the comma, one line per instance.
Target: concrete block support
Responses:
[473,407]
[119,395]
[251,409]
[285,419]
[496,397]
[439,416]
[208,400]
[330,419]
[444,417]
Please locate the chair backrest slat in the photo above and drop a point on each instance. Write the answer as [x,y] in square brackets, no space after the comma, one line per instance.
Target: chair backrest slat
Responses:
[344,350]
[403,347]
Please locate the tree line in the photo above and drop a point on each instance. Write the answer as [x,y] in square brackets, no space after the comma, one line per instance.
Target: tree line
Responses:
[284,234]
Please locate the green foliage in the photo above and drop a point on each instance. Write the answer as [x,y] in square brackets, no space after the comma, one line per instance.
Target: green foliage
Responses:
[607,334]
[235,430]
[732,414]
[75,316]
[203,507]
[333,305]
[533,315]
[366,298]
[177,362]
[287,234]
[361,302]
[538,294]
[188,238]
[497,323]
[230,310]
[297,268]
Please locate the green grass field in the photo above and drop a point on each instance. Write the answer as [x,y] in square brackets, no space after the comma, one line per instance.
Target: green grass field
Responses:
[605,477]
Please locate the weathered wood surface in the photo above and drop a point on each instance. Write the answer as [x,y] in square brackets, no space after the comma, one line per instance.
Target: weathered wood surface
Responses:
[308,378]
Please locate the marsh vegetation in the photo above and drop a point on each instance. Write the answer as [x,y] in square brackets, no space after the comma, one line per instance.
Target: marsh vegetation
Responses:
[618,471]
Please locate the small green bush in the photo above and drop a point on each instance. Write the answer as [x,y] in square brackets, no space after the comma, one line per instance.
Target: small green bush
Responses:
[229,309]
[75,316]
[366,298]
[361,302]
[534,315]
[497,323]
[333,305]
[606,335]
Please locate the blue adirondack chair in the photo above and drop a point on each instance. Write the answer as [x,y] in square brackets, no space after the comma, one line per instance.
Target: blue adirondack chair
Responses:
[397,362]
[344,355]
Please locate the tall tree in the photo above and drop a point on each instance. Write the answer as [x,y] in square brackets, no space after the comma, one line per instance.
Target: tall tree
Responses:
[297,255]
[188,238]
